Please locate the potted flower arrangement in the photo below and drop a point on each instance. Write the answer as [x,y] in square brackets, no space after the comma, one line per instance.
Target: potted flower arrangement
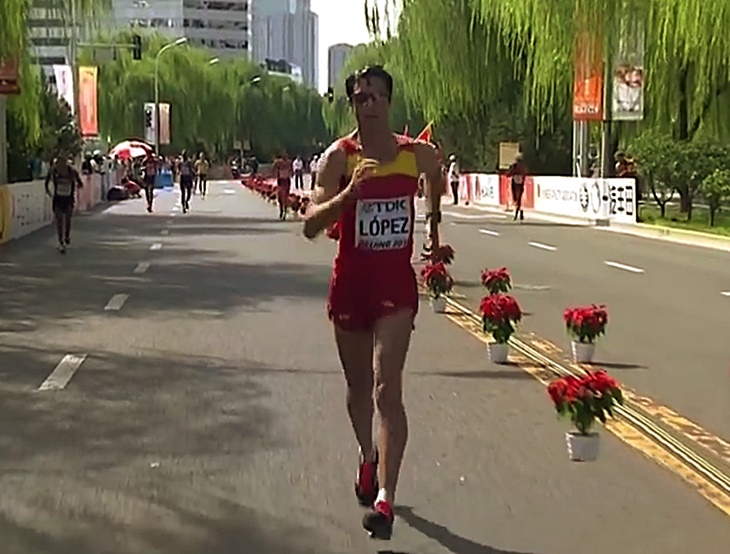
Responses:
[584,325]
[496,280]
[446,254]
[439,282]
[585,400]
[500,315]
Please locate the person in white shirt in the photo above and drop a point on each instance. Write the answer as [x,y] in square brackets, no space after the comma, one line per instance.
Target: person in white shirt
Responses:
[454,177]
[298,168]
[313,166]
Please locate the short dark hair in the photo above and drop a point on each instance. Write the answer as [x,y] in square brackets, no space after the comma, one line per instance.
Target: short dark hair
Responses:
[367,73]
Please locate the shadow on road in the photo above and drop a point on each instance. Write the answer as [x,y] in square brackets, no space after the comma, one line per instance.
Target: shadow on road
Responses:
[454,543]
[146,453]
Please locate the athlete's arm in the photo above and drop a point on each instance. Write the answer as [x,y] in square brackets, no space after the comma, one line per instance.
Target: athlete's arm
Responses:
[48,180]
[429,166]
[327,199]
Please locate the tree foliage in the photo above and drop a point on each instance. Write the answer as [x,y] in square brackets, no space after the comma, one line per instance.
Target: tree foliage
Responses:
[212,106]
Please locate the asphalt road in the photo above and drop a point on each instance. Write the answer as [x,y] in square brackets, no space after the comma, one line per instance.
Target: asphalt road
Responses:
[668,317]
[208,414]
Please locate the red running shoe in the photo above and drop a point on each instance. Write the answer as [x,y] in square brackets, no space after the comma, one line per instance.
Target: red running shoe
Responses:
[379,522]
[366,485]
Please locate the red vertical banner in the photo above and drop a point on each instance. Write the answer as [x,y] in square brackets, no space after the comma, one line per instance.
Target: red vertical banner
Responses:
[88,113]
[588,83]
[9,79]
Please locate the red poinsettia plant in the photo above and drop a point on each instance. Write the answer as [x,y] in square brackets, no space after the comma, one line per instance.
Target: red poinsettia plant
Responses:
[437,279]
[585,324]
[586,399]
[496,280]
[500,315]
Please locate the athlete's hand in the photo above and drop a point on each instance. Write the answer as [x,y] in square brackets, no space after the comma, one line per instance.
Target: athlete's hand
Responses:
[363,171]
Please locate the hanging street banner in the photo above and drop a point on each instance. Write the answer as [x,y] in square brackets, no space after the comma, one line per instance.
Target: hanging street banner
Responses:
[65,84]
[164,123]
[628,72]
[88,107]
[588,83]
[9,79]
[150,125]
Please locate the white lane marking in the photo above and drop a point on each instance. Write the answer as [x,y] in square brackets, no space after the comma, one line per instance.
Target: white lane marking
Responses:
[156,246]
[116,303]
[488,232]
[142,267]
[169,222]
[543,246]
[61,375]
[229,191]
[473,216]
[725,293]
[175,209]
[625,267]
[165,232]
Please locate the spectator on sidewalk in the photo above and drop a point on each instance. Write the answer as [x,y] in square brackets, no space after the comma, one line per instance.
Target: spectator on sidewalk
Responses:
[454,176]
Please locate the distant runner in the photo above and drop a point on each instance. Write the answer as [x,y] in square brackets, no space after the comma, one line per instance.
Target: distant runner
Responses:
[65,181]
[366,185]
[187,174]
[201,169]
[282,172]
[150,173]
[517,172]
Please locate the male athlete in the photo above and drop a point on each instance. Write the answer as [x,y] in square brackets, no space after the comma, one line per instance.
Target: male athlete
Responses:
[187,176]
[65,181]
[282,172]
[366,184]
[150,173]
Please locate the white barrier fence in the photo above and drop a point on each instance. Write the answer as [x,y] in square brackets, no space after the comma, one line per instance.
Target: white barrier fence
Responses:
[25,207]
[598,200]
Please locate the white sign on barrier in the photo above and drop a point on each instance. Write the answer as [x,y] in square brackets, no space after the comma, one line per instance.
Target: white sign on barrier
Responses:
[572,197]
[620,196]
[486,189]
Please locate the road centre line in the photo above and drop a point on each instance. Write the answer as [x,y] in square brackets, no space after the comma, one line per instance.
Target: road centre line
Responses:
[116,303]
[142,267]
[488,232]
[165,232]
[725,293]
[61,375]
[543,246]
[625,267]
[156,246]
[632,427]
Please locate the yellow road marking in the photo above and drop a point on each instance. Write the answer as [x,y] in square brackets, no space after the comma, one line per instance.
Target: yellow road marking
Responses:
[628,433]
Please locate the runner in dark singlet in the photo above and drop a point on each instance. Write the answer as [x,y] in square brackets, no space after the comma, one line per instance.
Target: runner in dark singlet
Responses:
[282,173]
[65,181]
[150,173]
[187,176]
[517,173]
[366,186]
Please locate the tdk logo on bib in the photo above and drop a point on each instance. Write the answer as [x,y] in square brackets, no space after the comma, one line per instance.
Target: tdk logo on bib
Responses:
[383,224]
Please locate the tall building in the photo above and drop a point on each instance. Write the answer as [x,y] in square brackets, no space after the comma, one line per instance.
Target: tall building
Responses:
[222,26]
[287,30]
[49,36]
[337,55]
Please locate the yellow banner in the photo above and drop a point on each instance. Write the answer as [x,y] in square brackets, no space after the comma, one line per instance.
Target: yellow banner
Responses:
[88,114]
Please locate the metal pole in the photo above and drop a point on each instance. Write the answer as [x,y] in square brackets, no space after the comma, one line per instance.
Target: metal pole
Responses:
[3,140]
[73,51]
[157,101]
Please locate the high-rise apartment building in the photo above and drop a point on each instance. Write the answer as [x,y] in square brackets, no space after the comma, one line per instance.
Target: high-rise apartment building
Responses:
[287,30]
[49,34]
[223,26]
[337,55]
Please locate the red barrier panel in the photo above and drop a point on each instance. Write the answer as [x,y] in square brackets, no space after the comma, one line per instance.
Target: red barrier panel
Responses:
[505,191]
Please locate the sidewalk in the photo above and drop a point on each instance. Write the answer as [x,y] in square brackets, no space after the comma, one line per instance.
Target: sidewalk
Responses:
[209,414]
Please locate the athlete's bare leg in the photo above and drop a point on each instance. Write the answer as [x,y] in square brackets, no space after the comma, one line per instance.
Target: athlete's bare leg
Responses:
[356,355]
[392,339]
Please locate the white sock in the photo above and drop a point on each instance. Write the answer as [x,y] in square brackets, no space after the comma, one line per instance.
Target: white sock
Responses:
[382,497]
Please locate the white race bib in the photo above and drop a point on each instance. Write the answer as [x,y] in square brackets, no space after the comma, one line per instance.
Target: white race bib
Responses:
[383,224]
[64,189]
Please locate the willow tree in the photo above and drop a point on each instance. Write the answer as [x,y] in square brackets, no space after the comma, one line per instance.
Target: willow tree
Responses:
[212,106]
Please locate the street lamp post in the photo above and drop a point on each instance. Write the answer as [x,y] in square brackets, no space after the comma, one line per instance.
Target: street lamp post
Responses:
[178,42]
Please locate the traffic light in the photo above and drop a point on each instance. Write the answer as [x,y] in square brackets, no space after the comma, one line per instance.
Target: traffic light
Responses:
[148,117]
[137,47]
[330,95]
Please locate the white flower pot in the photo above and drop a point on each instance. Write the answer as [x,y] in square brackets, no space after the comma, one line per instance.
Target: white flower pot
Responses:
[438,304]
[583,352]
[498,353]
[582,448]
